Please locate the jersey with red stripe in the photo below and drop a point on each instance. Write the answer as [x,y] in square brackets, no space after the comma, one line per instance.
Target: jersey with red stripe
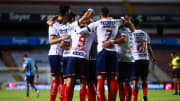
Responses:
[106,29]
[140,40]
[56,29]
[124,49]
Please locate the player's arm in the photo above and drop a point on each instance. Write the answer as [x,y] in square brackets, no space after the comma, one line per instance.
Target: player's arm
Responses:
[178,62]
[65,37]
[116,41]
[86,15]
[130,24]
[151,53]
[54,40]
[51,20]
[62,44]
[37,71]
[24,68]
[90,28]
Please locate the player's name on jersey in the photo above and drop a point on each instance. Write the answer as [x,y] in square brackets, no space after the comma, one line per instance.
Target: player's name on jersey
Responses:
[108,23]
[142,55]
[139,34]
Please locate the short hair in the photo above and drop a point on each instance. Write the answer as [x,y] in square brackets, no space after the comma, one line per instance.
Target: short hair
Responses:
[63,10]
[105,12]
[69,18]
[173,52]
[136,22]
[25,55]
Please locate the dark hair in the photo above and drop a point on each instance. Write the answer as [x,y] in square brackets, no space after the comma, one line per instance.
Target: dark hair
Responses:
[25,55]
[173,52]
[136,22]
[69,18]
[105,12]
[63,10]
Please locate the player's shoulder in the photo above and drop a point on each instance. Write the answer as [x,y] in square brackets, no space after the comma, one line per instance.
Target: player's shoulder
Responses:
[57,23]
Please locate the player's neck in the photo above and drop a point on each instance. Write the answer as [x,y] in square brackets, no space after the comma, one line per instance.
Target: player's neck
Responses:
[103,17]
[60,18]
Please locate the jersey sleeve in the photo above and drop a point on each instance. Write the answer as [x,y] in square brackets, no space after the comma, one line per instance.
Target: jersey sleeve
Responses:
[92,27]
[25,63]
[120,22]
[53,31]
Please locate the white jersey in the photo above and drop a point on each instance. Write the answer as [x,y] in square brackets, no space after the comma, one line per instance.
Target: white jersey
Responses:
[68,43]
[81,44]
[56,29]
[124,49]
[106,29]
[140,41]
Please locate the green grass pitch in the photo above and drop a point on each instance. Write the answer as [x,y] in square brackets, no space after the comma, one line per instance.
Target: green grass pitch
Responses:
[18,95]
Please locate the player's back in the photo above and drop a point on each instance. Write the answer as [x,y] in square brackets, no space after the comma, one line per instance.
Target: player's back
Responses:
[81,44]
[107,29]
[124,49]
[30,65]
[140,41]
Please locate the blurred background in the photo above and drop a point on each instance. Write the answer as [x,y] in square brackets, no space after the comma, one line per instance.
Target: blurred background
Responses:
[23,30]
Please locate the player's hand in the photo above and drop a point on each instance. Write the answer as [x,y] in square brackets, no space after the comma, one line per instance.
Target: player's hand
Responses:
[62,44]
[127,20]
[154,60]
[52,19]
[37,76]
[106,44]
[90,12]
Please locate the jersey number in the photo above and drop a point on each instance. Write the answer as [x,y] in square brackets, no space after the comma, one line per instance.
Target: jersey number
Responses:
[141,48]
[109,34]
[82,41]
[67,45]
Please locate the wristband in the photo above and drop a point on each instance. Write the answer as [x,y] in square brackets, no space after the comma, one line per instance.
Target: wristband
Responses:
[112,41]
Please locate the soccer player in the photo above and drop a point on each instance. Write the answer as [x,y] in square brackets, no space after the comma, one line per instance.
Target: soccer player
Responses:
[71,26]
[176,71]
[56,30]
[125,60]
[66,45]
[77,65]
[125,65]
[141,52]
[31,69]
[91,82]
[107,58]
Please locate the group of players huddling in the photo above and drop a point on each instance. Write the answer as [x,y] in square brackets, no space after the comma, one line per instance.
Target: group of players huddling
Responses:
[109,50]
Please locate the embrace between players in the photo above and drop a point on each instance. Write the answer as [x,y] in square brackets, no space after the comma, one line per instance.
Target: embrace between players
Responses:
[112,50]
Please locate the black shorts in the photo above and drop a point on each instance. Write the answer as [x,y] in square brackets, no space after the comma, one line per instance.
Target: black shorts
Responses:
[141,69]
[125,71]
[176,73]
[29,79]
[92,71]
